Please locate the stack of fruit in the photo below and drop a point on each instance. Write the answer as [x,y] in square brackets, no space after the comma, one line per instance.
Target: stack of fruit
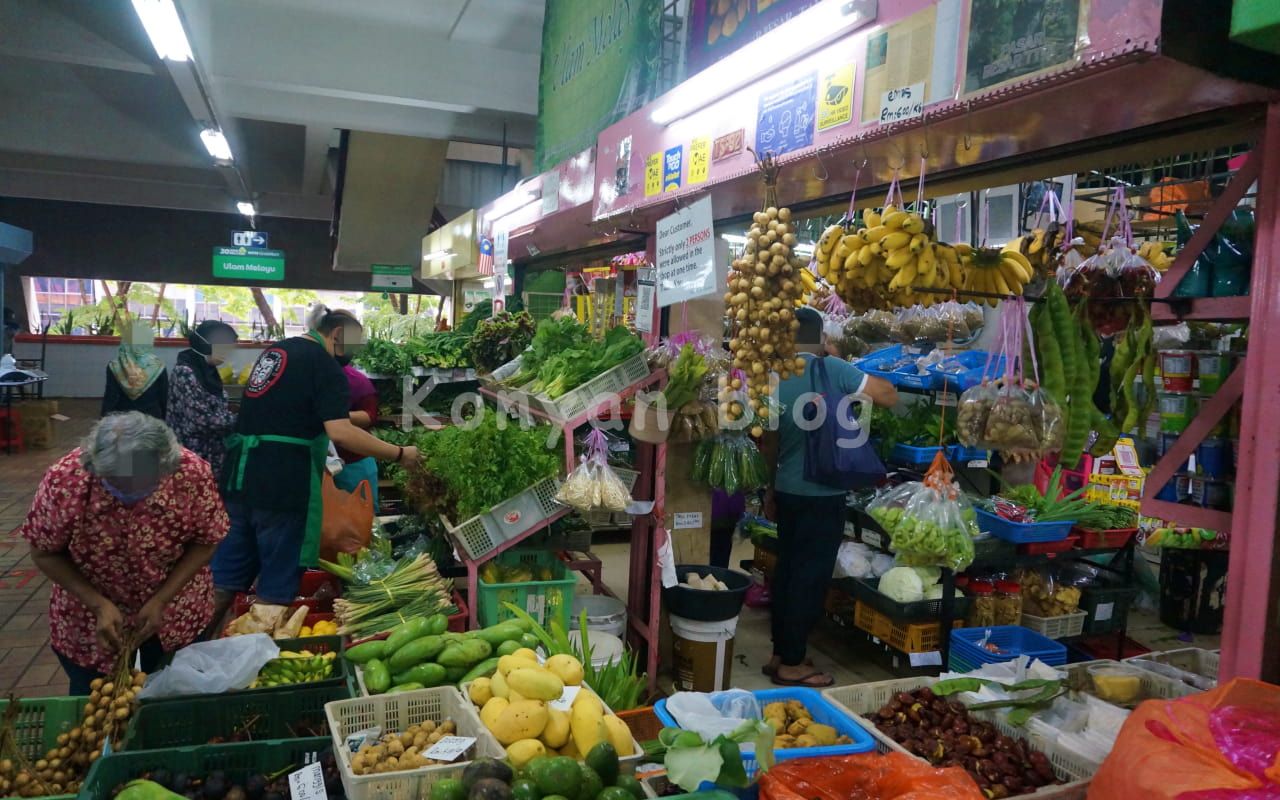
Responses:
[520,705]
[324,627]
[543,778]
[990,270]
[294,667]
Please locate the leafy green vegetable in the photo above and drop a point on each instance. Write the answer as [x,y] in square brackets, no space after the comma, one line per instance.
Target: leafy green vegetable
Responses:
[690,761]
[500,339]
[479,313]
[1048,507]
[563,356]
[441,350]
[381,357]
[685,377]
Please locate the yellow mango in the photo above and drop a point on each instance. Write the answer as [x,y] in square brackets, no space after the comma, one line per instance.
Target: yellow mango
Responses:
[524,751]
[513,662]
[492,710]
[498,685]
[567,668]
[535,683]
[619,735]
[586,721]
[480,691]
[523,720]
[556,734]
[526,654]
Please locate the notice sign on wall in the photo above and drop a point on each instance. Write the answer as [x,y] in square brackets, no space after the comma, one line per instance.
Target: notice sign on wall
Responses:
[686,254]
[248,263]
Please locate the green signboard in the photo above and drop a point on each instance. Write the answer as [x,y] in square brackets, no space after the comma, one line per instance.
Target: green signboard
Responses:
[248,263]
[392,276]
[599,63]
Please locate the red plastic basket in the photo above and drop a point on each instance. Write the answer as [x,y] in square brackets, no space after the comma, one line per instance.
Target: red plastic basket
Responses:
[1102,539]
[1043,548]
[313,581]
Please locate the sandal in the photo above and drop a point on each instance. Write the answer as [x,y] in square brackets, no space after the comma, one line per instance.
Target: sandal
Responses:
[807,680]
[770,668]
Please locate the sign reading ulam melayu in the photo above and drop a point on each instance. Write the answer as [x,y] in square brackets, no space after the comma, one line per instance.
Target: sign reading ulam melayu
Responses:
[248,263]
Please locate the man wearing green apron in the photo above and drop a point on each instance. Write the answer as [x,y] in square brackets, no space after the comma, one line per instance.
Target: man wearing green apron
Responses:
[295,403]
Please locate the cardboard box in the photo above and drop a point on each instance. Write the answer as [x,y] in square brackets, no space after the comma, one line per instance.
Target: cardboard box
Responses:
[38,431]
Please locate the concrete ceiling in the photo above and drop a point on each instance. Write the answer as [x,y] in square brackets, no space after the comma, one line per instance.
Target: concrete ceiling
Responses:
[91,114]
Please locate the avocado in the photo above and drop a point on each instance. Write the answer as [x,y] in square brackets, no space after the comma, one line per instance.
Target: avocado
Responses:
[483,768]
[448,789]
[615,793]
[591,783]
[631,784]
[560,775]
[604,760]
[524,789]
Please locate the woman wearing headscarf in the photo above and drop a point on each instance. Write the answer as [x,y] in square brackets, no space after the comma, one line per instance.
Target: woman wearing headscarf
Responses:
[199,412]
[363,414]
[136,379]
[124,526]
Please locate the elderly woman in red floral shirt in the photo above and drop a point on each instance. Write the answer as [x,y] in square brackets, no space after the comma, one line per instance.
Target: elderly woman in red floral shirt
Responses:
[125,526]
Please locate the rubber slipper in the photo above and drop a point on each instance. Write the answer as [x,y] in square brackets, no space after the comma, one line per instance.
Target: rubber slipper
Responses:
[769,669]
[806,680]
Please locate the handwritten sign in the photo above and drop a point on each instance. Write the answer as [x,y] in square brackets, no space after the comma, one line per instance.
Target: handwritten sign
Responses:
[672,168]
[904,103]
[835,103]
[450,747]
[308,783]
[686,520]
[728,145]
[785,116]
[686,254]
[653,175]
[565,701]
[699,159]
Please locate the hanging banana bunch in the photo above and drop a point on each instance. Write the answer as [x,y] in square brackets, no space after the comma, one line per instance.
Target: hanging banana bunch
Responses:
[994,271]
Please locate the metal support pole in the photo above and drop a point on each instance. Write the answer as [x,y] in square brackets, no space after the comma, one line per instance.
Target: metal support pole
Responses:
[1251,634]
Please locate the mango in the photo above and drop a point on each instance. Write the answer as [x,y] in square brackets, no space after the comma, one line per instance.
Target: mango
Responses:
[480,691]
[619,735]
[523,720]
[556,734]
[525,750]
[586,721]
[535,683]
[567,668]
[492,710]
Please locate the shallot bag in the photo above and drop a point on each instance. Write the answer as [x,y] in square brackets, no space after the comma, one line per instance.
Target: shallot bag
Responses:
[971,416]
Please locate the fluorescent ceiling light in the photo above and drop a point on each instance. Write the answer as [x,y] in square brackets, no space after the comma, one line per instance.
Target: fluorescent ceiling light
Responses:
[733,238]
[216,144]
[438,254]
[512,202]
[804,33]
[247,209]
[164,28]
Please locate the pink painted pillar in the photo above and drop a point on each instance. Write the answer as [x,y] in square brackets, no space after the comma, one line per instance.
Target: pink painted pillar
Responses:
[1251,635]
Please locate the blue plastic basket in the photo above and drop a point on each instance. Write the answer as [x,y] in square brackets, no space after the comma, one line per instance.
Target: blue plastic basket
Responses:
[975,369]
[1014,640]
[906,454]
[823,713]
[963,455]
[875,364]
[1023,532]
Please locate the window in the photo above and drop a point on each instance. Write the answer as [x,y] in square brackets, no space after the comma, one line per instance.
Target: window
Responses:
[54,297]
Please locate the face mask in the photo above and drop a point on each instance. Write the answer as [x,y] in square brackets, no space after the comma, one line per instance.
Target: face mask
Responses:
[127,498]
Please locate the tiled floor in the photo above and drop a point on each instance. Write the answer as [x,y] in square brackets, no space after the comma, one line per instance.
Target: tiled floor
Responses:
[27,666]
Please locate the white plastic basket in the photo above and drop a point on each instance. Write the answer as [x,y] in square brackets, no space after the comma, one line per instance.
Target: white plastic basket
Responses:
[1063,627]
[596,390]
[485,532]
[628,763]
[395,713]
[1188,659]
[864,699]
[1154,687]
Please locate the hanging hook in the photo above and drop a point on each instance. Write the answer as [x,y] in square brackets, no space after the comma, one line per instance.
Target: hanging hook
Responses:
[924,147]
[866,157]
[825,172]
[968,125]
[902,157]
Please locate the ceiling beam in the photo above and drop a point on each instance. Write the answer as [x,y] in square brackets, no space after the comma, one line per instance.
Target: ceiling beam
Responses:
[38,31]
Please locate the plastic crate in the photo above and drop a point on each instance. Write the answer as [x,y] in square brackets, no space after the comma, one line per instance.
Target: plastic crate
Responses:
[862,700]
[876,363]
[1153,686]
[396,712]
[1099,539]
[1107,607]
[339,676]
[975,369]
[906,637]
[611,382]
[906,454]
[1022,532]
[1045,548]
[867,590]
[823,713]
[963,455]
[485,532]
[238,760]
[40,721]
[1188,659]
[992,548]
[1063,627]
[543,600]
[1014,640]
[183,722]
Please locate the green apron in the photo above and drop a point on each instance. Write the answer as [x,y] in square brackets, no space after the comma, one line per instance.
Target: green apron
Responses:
[310,555]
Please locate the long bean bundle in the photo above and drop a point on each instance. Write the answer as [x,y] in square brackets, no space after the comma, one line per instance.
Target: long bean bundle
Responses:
[414,588]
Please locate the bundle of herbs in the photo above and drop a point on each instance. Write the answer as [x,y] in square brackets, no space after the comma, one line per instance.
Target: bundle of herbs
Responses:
[563,356]
[500,339]
[382,357]
[413,589]
[441,350]
[1028,504]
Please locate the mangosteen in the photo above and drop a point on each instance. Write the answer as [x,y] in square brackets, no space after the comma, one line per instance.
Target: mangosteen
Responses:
[163,777]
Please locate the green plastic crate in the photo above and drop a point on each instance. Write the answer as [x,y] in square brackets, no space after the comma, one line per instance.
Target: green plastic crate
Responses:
[194,721]
[339,677]
[239,761]
[1256,23]
[41,719]
[543,600]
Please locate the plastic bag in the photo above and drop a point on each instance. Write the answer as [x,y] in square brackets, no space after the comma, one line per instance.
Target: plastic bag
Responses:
[1209,746]
[924,520]
[971,416]
[212,667]
[593,484]
[710,715]
[878,776]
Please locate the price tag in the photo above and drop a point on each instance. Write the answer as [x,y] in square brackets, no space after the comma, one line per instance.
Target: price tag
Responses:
[449,748]
[565,701]
[930,659]
[308,783]
[904,103]
[872,538]
[361,738]
[978,463]
[950,400]
[688,520]
[1104,612]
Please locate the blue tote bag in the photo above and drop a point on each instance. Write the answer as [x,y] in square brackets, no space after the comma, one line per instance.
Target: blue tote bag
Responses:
[831,457]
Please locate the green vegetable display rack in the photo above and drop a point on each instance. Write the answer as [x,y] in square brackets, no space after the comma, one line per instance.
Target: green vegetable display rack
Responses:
[510,520]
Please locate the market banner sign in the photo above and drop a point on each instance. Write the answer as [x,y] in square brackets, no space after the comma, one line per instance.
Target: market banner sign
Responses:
[718,27]
[392,276]
[1012,41]
[248,263]
[599,63]
[686,254]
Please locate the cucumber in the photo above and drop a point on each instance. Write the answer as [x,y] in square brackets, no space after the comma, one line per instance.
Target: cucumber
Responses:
[376,677]
[406,632]
[416,652]
[425,674]
[481,670]
[405,687]
[495,635]
[364,653]
[437,624]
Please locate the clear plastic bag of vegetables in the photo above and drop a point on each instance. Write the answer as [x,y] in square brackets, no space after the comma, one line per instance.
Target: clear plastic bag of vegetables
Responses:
[729,461]
[593,485]
[925,520]
[1024,421]
[971,415]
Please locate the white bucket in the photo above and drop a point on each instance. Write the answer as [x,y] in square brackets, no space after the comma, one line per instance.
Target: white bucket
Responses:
[604,647]
[703,653]
[604,613]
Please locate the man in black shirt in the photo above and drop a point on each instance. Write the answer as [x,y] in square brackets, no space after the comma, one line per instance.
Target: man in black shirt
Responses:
[295,403]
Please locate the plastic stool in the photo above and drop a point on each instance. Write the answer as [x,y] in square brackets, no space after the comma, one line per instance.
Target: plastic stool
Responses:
[10,429]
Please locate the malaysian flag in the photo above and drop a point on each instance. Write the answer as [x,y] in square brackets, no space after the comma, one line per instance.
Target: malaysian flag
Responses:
[486,256]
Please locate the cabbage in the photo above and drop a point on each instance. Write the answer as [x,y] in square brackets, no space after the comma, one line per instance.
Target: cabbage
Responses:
[929,575]
[902,584]
[935,592]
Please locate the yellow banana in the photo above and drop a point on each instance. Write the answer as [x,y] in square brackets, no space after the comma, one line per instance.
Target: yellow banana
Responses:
[841,251]
[998,283]
[886,211]
[896,240]
[919,243]
[913,224]
[877,233]
[830,238]
[1036,243]
[963,250]
[877,248]
[870,218]
[899,258]
[1021,262]
[928,259]
[854,241]
[806,277]
[865,255]
[894,220]
[956,274]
